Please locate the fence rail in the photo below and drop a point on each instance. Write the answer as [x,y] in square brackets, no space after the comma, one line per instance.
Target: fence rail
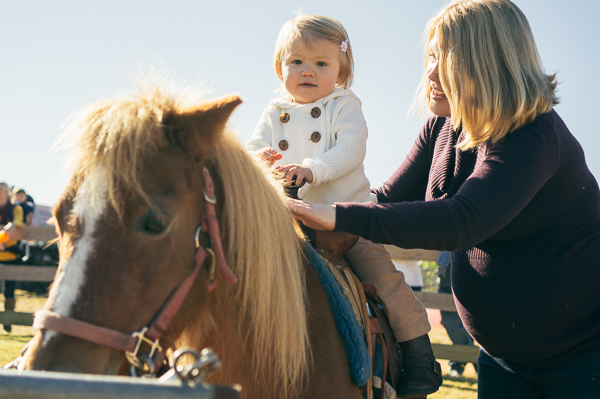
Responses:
[54,385]
[43,274]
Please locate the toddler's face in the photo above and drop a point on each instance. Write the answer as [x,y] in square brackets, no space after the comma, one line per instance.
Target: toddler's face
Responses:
[21,197]
[311,73]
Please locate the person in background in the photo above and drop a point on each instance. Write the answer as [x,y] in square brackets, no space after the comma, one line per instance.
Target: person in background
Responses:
[6,216]
[21,211]
[5,205]
[22,199]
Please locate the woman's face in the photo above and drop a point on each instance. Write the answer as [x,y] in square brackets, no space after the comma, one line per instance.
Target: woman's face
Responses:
[438,102]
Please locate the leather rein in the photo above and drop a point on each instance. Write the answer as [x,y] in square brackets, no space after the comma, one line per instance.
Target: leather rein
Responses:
[151,362]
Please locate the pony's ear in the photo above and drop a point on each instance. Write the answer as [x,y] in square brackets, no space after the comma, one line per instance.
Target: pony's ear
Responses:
[195,130]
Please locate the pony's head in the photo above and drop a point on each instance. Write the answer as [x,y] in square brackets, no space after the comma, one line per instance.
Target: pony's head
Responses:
[126,224]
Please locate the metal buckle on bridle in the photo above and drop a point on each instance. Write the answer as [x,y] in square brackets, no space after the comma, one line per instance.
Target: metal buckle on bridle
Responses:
[143,362]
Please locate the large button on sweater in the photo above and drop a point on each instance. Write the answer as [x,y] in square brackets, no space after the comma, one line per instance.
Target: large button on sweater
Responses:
[332,145]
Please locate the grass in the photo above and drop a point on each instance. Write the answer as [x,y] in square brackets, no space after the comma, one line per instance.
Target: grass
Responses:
[464,387]
[11,344]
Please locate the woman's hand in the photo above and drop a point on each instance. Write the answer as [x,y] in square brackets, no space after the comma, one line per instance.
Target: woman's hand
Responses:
[300,171]
[313,215]
[268,155]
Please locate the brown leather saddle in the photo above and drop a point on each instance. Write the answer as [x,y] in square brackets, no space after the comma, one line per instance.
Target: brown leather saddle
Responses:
[332,245]
[380,337]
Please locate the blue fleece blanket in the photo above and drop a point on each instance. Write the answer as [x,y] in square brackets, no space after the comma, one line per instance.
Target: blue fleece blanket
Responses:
[345,320]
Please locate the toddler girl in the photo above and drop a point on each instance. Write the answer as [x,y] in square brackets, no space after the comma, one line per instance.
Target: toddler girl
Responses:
[318,133]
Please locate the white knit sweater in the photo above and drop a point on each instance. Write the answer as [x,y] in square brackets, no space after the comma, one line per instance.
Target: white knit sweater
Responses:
[336,160]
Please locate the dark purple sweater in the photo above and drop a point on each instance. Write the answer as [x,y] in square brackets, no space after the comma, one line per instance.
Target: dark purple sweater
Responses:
[523,219]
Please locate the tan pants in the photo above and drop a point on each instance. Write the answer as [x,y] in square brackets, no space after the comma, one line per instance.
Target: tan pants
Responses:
[373,264]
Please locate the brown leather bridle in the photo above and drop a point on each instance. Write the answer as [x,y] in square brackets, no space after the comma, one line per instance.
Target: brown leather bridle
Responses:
[151,362]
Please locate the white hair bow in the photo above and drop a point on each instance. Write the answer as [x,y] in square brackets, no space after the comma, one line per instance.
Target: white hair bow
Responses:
[344,46]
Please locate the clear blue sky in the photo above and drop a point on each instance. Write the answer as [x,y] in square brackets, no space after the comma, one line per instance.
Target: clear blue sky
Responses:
[58,56]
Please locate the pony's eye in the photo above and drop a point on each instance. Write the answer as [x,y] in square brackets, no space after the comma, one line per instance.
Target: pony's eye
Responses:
[152,223]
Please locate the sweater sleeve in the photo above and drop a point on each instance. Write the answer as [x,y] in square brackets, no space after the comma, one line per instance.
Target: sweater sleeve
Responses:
[263,133]
[509,175]
[350,130]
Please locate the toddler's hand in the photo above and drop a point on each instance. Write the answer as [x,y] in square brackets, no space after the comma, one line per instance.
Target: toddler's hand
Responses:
[302,172]
[268,155]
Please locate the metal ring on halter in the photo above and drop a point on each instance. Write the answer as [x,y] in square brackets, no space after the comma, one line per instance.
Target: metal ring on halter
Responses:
[210,200]
[197,236]
[205,363]
[213,199]
[180,371]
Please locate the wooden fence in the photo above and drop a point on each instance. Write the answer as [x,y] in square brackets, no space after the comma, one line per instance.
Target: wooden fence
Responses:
[43,274]
[435,300]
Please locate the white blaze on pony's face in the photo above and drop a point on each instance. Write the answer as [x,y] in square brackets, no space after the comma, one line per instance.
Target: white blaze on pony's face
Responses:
[89,205]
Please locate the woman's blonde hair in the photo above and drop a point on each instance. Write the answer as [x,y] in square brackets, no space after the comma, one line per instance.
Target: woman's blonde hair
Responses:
[309,28]
[489,68]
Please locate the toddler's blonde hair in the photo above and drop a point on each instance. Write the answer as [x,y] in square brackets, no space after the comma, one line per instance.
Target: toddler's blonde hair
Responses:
[313,27]
[489,68]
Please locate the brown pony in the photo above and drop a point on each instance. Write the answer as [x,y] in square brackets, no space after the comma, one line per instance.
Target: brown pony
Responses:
[126,226]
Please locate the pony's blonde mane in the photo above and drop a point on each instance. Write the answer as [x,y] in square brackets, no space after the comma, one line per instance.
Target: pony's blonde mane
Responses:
[119,134]
[272,293]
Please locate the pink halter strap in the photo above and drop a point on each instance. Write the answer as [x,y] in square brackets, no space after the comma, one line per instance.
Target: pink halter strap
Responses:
[130,343]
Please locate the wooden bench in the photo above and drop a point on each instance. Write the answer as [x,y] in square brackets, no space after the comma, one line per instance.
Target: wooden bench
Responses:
[435,300]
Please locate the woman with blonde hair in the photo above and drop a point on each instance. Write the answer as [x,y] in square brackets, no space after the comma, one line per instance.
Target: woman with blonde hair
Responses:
[496,177]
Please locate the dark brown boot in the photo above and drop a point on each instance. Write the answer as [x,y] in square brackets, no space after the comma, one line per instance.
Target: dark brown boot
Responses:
[422,373]
[9,304]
